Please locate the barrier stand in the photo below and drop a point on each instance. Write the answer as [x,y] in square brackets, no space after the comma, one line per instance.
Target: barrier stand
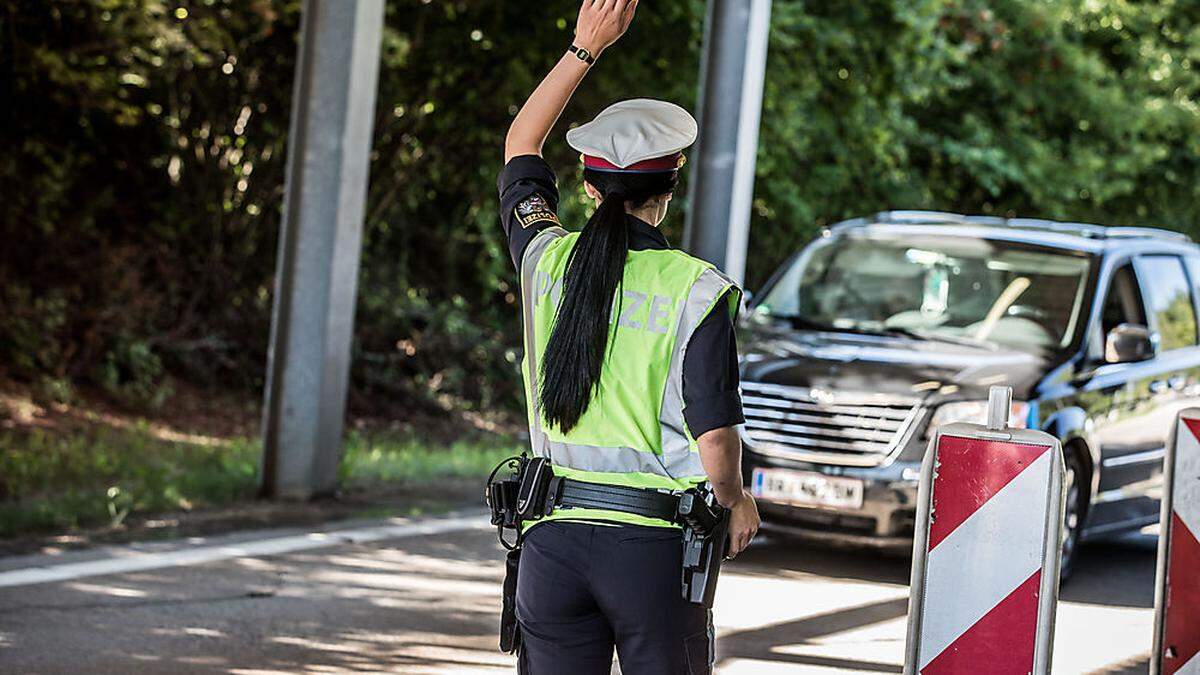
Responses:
[1177,588]
[986,549]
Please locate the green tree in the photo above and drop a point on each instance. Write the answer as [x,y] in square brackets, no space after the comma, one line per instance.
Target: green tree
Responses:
[143,158]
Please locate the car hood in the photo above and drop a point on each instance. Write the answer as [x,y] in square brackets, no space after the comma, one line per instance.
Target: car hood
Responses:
[903,367]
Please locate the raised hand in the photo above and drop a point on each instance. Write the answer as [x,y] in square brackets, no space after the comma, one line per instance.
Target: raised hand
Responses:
[603,22]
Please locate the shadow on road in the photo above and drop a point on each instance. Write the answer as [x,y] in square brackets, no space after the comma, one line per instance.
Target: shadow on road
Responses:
[430,604]
[761,644]
[778,556]
[1118,573]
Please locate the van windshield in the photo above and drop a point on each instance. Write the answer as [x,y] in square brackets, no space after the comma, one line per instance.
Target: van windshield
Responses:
[951,288]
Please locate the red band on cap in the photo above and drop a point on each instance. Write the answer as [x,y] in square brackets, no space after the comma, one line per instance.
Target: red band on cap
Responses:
[657,164]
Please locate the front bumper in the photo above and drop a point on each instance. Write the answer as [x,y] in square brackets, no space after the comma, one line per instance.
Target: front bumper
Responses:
[887,516]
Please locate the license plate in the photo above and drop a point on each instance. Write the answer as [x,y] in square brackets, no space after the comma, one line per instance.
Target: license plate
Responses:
[807,489]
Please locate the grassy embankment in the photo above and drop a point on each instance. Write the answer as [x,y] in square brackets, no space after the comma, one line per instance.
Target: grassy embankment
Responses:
[50,481]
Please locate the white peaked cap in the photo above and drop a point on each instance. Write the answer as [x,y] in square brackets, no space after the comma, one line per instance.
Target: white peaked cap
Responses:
[634,131]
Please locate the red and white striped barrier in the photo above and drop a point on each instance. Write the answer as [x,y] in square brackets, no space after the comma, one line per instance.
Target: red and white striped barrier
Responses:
[986,551]
[1177,596]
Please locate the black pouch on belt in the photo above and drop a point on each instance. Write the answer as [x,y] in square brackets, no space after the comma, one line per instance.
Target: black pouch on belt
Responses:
[510,630]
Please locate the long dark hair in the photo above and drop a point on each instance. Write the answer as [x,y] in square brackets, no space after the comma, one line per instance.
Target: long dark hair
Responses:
[575,352]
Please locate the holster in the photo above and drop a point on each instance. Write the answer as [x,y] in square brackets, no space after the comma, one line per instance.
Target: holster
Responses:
[510,629]
[705,539]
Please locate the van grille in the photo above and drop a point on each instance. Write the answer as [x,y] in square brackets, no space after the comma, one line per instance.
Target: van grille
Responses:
[841,429]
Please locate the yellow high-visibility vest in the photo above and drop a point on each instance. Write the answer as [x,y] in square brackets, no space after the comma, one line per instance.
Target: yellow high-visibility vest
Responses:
[633,432]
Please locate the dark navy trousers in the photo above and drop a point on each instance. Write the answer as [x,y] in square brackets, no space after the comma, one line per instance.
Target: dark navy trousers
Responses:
[584,589]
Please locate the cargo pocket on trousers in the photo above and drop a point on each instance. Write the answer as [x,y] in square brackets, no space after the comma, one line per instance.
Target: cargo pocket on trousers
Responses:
[700,653]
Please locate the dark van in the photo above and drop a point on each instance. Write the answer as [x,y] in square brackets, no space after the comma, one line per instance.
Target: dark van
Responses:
[884,327]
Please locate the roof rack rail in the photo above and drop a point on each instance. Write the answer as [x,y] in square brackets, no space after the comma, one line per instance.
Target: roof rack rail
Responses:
[1078,229]
[1146,232]
[929,217]
[987,220]
[1089,230]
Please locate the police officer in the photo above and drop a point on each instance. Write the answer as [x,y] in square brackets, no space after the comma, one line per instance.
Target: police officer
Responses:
[631,378]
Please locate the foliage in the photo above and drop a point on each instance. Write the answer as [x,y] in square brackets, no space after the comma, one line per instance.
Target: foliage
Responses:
[54,481]
[1065,109]
[143,163]
[390,459]
[1177,322]
[139,166]
[51,480]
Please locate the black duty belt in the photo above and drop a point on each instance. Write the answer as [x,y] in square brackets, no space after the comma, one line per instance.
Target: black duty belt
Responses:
[532,492]
[576,494]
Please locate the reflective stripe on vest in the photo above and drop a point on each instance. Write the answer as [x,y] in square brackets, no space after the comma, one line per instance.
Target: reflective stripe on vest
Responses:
[679,459]
[604,459]
[529,260]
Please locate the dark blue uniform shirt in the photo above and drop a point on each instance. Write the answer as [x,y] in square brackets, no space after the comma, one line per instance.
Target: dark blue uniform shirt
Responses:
[528,202]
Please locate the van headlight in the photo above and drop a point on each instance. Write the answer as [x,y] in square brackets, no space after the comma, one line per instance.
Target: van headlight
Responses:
[975,412]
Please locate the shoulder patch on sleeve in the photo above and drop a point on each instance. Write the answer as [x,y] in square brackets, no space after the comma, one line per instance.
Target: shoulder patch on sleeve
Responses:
[534,209]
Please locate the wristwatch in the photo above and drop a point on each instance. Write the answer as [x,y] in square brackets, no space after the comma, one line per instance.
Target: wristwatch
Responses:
[583,54]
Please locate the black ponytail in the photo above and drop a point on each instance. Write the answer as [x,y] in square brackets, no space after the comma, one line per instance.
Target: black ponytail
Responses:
[575,352]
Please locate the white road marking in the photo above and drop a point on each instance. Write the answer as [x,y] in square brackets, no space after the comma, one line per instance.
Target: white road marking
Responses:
[133,561]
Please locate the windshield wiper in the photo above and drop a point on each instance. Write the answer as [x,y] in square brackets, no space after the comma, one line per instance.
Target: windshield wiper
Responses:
[940,337]
[802,322]
[811,324]
[798,321]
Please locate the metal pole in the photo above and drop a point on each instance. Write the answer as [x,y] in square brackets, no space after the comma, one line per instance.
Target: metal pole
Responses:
[731,89]
[308,364]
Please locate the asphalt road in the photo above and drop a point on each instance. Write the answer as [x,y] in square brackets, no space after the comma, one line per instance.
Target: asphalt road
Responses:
[357,598]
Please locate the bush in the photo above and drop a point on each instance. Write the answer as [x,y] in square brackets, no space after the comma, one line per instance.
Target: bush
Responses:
[62,481]
[143,169]
[133,374]
[59,481]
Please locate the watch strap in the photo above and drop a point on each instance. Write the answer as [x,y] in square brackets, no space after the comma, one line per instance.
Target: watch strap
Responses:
[582,54]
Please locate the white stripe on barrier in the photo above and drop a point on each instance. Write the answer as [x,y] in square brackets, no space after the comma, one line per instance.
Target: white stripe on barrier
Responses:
[970,552]
[1185,501]
[139,561]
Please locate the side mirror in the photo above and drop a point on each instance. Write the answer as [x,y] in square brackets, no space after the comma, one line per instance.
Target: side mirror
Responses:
[1128,343]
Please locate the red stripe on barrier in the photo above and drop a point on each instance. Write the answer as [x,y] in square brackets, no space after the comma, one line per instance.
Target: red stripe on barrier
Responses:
[1000,643]
[969,472]
[1193,425]
[1182,630]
